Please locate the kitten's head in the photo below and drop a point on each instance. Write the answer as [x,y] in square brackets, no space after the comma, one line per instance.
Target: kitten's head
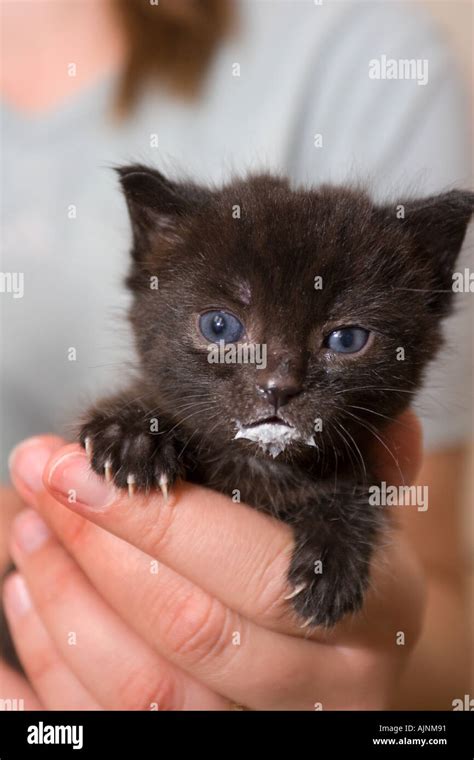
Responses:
[276,319]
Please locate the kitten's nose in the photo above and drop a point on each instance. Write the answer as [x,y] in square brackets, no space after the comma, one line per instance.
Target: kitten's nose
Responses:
[278,393]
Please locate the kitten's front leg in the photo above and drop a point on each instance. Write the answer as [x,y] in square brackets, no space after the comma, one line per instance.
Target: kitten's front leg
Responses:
[128,442]
[329,570]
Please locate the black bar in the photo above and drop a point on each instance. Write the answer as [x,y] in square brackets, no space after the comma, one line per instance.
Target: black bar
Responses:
[138,734]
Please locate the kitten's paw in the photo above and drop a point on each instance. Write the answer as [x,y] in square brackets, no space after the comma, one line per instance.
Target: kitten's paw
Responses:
[324,590]
[122,449]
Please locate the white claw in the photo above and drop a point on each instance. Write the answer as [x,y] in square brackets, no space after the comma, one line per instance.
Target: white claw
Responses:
[297,591]
[306,623]
[88,446]
[131,485]
[163,483]
[108,470]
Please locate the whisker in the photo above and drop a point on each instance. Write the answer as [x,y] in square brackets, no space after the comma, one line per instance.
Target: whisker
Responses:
[341,435]
[373,388]
[385,417]
[346,432]
[373,431]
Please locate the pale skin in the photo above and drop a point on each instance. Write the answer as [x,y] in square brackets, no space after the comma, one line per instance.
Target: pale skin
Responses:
[143,649]
[168,638]
[211,627]
[440,667]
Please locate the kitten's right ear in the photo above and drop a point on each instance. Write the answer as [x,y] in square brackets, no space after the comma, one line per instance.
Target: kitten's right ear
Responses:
[436,226]
[155,204]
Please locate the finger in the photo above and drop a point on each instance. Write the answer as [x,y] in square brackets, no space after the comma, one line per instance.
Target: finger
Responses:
[103,557]
[52,680]
[31,457]
[15,692]
[188,627]
[11,504]
[113,664]
[251,550]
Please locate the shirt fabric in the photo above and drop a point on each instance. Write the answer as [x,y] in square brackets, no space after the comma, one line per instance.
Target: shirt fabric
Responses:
[293,71]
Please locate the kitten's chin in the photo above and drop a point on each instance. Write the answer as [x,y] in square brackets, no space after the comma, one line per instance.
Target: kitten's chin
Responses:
[271,437]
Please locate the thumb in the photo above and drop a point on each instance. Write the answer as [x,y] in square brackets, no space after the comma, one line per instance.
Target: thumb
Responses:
[27,463]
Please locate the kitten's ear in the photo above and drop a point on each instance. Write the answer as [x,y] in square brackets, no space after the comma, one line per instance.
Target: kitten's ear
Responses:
[438,226]
[155,203]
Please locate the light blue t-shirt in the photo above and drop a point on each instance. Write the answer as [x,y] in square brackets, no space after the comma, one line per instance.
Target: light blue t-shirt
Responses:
[291,92]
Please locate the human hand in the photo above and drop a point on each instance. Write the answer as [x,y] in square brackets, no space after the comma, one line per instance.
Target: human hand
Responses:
[211,627]
[11,684]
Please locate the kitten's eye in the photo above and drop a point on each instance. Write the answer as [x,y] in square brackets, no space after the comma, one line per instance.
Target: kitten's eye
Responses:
[220,325]
[347,340]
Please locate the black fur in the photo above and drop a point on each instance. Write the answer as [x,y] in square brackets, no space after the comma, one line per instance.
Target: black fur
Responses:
[386,269]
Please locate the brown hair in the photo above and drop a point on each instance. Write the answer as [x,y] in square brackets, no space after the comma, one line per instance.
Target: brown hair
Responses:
[172,41]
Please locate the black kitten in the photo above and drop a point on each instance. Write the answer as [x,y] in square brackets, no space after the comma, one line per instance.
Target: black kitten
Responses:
[278,331]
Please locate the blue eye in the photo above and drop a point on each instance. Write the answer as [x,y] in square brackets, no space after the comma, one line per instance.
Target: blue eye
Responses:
[347,340]
[220,325]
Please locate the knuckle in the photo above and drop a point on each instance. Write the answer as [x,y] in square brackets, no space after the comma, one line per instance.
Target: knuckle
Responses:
[269,588]
[76,532]
[163,521]
[199,628]
[141,692]
[59,583]
[40,663]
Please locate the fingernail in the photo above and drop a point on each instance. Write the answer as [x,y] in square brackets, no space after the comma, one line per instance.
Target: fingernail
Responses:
[16,595]
[27,462]
[73,480]
[29,531]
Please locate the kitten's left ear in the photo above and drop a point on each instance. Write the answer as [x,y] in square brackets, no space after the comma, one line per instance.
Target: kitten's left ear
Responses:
[438,226]
[155,204]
